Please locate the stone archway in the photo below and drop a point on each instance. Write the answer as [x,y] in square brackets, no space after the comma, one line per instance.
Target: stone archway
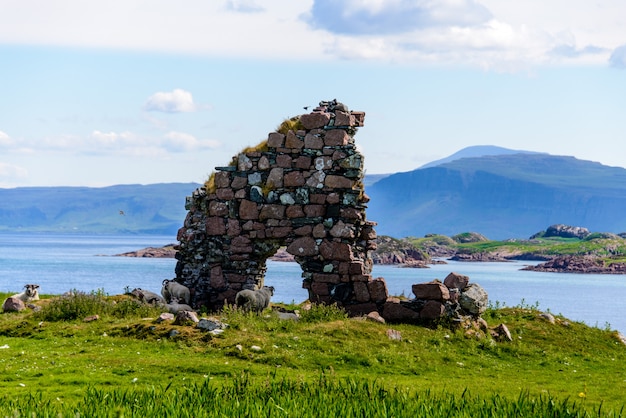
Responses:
[301,188]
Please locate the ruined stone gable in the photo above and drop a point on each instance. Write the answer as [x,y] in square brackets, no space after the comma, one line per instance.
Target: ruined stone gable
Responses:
[302,189]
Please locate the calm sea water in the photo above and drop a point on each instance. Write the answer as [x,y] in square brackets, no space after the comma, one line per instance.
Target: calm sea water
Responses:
[59,263]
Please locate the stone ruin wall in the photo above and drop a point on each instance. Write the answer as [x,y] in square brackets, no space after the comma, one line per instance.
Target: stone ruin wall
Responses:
[301,189]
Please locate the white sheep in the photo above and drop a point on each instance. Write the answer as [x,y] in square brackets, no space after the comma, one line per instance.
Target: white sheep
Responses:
[256,300]
[172,289]
[175,307]
[30,293]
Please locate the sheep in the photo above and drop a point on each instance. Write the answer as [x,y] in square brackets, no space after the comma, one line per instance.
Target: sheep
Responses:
[256,300]
[148,296]
[172,289]
[175,307]
[29,294]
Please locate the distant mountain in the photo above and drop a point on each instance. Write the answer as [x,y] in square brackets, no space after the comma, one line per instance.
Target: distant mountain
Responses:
[476,151]
[500,196]
[137,209]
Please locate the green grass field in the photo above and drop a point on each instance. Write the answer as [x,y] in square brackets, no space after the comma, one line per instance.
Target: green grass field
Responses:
[325,364]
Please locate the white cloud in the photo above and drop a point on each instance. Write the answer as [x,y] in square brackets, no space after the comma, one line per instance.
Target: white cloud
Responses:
[12,172]
[481,32]
[128,143]
[372,17]
[181,142]
[243,6]
[5,140]
[112,140]
[618,57]
[176,101]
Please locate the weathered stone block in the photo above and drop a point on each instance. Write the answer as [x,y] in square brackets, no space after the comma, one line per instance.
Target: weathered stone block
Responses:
[275,177]
[336,138]
[456,281]
[474,299]
[314,211]
[434,290]
[292,141]
[326,278]
[272,212]
[225,194]
[313,141]
[323,163]
[342,230]
[278,232]
[335,251]
[283,160]
[361,293]
[303,162]
[217,208]
[320,288]
[294,211]
[344,119]
[215,226]
[315,120]
[303,230]
[239,182]
[264,163]
[275,140]
[394,312]
[319,231]
[316,180]
[303,247]
[433,309]
[338,182]
[248,210]
[293,179]
[359,118]
[378,290]
[317,198]
[222,179]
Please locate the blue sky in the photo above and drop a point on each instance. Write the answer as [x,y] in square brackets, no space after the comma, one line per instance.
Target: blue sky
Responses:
[134,91]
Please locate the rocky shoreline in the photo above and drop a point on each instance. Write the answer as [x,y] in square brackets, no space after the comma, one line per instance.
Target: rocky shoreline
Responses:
[579,264]
[401,253]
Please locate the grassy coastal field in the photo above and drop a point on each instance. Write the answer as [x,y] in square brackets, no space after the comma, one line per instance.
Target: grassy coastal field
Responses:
[325,364]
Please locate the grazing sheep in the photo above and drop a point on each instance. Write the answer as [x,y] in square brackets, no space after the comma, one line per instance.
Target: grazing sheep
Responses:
[148,296]
[256,300]
[175,307]
[29,294]
[172,289]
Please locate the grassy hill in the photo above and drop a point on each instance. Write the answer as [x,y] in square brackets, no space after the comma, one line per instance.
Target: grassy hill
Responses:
[325,364]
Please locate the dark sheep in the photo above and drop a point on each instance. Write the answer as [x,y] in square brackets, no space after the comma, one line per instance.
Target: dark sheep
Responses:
[254,300]
[148,296]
